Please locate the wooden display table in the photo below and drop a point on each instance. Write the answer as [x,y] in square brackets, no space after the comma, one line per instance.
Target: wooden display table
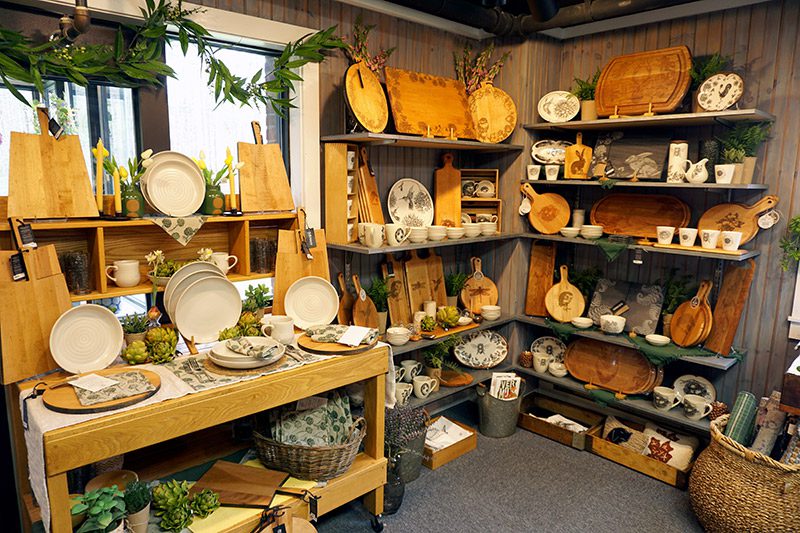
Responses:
[85,443]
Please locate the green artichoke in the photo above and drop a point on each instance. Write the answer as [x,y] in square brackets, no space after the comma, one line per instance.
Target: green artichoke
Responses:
[428,324]
[177,518]
[230,333]
[136,353]
[204,503]
[161,343]
[169,495]
[248,319]
[447,316]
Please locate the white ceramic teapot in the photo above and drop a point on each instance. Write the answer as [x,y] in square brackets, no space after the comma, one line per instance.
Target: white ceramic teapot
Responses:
[696,172]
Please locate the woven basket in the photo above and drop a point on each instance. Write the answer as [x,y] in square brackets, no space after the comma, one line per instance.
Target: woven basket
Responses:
[735,489]
[317,463]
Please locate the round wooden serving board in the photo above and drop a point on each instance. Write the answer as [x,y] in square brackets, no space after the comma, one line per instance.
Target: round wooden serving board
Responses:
[691,323]
[331,348]
[366,98]
[737,217]
[494,114]
[478,290]
[64,400]
[564,301]
[549,211]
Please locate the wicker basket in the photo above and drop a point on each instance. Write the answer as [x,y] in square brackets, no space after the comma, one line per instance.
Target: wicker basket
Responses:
[318,463]
[736,489]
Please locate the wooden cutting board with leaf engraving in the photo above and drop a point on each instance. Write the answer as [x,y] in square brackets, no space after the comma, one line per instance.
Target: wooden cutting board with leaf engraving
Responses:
[737,217]
[418,282]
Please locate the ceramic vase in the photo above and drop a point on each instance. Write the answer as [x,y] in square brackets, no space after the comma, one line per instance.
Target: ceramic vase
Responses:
[214,201]
[588,110]
[383,317]
[132,202]
[749,169]
[435,373]
[137,522]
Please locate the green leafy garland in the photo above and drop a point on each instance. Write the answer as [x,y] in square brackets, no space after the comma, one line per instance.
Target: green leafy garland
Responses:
[140,62]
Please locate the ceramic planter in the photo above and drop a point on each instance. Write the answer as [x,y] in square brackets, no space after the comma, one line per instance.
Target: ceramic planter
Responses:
[749,169]
[452,301]
[588,110]
[137,522]
[132,202]
[435,373]
[214,201]
[160,281]
[738,172]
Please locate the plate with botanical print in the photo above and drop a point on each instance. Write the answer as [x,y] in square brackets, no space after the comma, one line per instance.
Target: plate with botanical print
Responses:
[559,106]
[689,384]
[549,152]
[551,346]
[410,203]
[720,91]
[484,349]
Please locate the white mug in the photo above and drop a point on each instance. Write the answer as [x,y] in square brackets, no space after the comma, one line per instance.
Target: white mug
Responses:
[413,368]
[709,238]
[351,184]
[695,407]
[399,373]
[687,236]
[402,392]
[534,171]
[541,360]
[350,208]
[423,386]
[351,160]
[578,217]
[551,172]
[724,173]
[364,228]
[279,327]
[485,218]
[665,398]
[731,240]
[373,236]
[665,234]
[223,261]
[397,234]
[126,271]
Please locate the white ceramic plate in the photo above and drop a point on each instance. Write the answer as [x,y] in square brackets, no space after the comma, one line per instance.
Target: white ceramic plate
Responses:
[720,91]
[698,385]
[184,272]
[184,284]
[484,349]
[311,301]
[551,346]
[207,307]
[175,185]
[86,338]
[410,203]
[559,106]
[238,365]
[222,352]
[549,152]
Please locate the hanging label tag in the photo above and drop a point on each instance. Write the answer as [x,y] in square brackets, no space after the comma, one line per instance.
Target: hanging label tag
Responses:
[311,237]
[55,128]
[312,506]
[18,272]
[280,528]
[27,240]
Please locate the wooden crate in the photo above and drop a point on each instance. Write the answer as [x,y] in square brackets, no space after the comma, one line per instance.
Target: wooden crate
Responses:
[790,397]
[543,406]
[435,459]
[635,460]
[474,206]
[338,215]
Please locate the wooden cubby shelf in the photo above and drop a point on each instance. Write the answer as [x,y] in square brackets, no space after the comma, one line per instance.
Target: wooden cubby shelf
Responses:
[414,141]
[361,249]
[658,121]
[654,185]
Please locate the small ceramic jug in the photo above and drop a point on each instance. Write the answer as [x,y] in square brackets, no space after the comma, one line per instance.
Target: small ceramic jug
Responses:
[696,172]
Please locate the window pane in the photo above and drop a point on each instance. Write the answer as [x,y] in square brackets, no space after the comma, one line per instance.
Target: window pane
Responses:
[15,116]
[117,123]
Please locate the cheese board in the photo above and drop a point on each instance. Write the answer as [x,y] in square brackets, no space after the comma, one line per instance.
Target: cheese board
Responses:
[549,211]
[345,313]
[364,311]
[447,193]
[417,282]
[692,320]
[241,484]
[494,115]
[397,301]
[737,217]
[365,97]
[263,181]
[436,277]
[564,301]
[479,290]
[63,399]
[540,277]
[611,367]
[638,215]
[332,348]
[733,294]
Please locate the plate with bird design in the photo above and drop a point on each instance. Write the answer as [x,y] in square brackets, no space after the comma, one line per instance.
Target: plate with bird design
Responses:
[410,203]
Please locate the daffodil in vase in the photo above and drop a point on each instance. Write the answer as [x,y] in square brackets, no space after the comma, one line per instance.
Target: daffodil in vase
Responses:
[128,178]
[214,201]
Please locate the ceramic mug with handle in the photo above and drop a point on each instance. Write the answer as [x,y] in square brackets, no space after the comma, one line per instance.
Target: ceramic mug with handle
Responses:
[541,361]
[279,327]
[665,398]
[413,368]
[696,407]
[423,386]
[223,261]
[402,392]
[399,373]
[397,234]
[126,273]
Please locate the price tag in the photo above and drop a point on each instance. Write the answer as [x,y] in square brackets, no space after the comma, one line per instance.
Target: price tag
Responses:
[27,240]
[18,272]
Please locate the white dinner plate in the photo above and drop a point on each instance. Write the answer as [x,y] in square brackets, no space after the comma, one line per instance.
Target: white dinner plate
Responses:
[311,301]
[222,352]
[238,365]
[207,307]
[483,349]
[184,272]
[181,287]
[86,338]
[410,203]
[174,184]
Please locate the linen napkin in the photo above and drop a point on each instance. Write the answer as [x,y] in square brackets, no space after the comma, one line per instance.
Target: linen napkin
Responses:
[182,229]
[243,346]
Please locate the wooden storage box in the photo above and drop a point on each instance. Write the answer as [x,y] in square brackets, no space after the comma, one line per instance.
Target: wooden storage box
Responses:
[635,460]
[543,406]
[790,397]
[435,459]
[341,205]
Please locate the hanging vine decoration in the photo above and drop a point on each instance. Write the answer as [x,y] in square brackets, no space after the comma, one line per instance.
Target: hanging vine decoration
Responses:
[139,63]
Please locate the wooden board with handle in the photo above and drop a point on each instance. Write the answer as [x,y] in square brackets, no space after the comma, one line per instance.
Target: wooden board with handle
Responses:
[399,310]
[369,189]
[737,217]
[564,301]
[61,397]
[540,277]
[48,177]
[263,182]
[417,282]
[638,215]
[436,277]
[447,194]
[423,104]
[634,84]
[292,264]
[691,320]
[730,305]
[608,366]
[241,484]
[549,211]
[479,290]
[345,313]
[364,311]
[332,348]
[365,97]
[493,112]
[577,160]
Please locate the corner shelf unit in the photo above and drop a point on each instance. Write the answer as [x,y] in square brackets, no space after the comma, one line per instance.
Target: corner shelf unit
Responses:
[654,185]
[361,249]
[658,121]
[415,141]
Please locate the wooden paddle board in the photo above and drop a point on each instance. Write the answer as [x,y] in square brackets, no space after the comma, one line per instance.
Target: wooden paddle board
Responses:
[737,217]
[292,264]
[369,188]
[333,348]
[690,322]
[494,115]
[638,215]
[540,277]
[240,484]
[417,282]
[399,310]
[447,192]
[364,311]
[615,368]
[564,301]
[577,159]
[263,181]
[365,97]
[479,290]
[549,211]
[439,332]
[730,304]
[436,277]
[63,399]
[345,313]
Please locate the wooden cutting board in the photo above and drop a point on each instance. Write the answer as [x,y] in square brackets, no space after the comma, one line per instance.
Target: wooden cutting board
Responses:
[720,251]
[540,277]
[436,278]
[549,211]
[577,159]
[423,104]
[364,311]
[730,304]
[47,178]
[615,368]
[399,310]
[63,399]
[333,348]
[417,282]
[345,313]
[365,97]
[494,115]
[447,192]
[263,182]
[369,188]
[632,82]
[691,320]
[240,484]
[479,290]
[291,264]
[737,217]
[638,215]
[564,301]
[439,332]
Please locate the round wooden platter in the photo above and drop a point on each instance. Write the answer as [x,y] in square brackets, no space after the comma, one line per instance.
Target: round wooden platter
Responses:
[63,399]
[366,98]
[549,211]
[494,114]
[692,320]
[331,348]
[638,215]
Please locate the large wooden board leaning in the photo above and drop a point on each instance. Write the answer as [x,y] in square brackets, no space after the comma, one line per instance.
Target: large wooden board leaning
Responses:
[447,194]
[540,277]
[436,277]
[631,83]
[422,104]
[494,115]
[608,366]
[692,321]
[549,211]
[47,178]
[263,182]
[737,217]
[331,348]
[344,314]
[399,310]
[241,484]
[292,264]
[364,311]
[417,282]
[368,197]
[365,97]
[64,400]
[564,301]
[638,215]
[479,290]
[730,303]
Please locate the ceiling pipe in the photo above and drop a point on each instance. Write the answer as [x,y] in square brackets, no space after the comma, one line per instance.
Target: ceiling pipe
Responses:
[70,28]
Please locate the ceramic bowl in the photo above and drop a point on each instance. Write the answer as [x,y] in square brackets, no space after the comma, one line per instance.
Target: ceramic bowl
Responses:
[570,231]
[455,233]
[582,322]
[471,229]
[612,323]
[437,229]
[490,312]
[435,237]
[397,336]
[657,340]
[559,370]
[464,320]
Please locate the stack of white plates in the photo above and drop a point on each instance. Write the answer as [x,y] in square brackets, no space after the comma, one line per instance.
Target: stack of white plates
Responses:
[173,184]
[223,356]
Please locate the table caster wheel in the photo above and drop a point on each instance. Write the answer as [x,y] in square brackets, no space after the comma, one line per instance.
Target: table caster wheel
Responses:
[376,524]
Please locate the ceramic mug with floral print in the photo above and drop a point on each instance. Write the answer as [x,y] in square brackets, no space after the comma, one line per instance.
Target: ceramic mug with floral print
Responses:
[695,407]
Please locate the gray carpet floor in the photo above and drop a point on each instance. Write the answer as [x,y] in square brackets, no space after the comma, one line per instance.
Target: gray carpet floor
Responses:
[527,483]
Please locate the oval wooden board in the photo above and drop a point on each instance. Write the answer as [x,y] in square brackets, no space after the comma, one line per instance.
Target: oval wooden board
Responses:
[737,217]
[366,98]
[609,366]
[638,215]
[494,114]
[64,400]
[331,348]
[692,320]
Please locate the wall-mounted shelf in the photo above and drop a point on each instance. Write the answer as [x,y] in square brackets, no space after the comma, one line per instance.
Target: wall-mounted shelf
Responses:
[361,249]
[413,141]
[654,185]
[411,346]
[658,121]
[92,223]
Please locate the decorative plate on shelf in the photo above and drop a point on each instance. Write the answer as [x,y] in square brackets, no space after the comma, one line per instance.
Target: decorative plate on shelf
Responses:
[174,184]
[311,301]
[484,349]
[86,338]
[549,152]
[551,346]
[559,106]
[410,203]
[689,384]
[720,91]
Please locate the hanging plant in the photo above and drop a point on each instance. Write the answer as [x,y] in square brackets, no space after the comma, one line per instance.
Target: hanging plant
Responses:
[359,49]
[473,72]
[139,62]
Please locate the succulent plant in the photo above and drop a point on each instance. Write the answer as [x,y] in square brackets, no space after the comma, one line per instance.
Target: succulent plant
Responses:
[447,316]
[428,323]
[104,509]
[176,518]
[256,297]
[161,343]
[135,323]
[136,353]
[169,495]
[204,503]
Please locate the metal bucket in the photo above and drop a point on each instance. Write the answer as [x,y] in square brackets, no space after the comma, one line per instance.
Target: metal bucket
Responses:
[498,418]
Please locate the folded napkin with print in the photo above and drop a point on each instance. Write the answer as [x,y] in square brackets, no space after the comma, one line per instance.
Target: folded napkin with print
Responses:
[128,384]
[334,332]
[243,346]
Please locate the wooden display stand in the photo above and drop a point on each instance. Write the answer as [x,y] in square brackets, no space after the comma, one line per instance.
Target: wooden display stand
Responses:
[337,214]
[474,206]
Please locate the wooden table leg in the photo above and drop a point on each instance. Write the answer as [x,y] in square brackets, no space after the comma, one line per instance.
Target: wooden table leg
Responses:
[58,493]
[374,402]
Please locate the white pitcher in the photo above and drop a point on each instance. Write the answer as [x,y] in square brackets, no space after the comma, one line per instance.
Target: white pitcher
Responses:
[696,172]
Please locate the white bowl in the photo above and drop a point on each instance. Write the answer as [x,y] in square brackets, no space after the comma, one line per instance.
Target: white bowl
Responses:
[570,231]
[437,229]
[559,370]
[582,322]
[436,237]
[590,227]
[455,233]
[464,320]
[591,236]
[612,323]
[657,340]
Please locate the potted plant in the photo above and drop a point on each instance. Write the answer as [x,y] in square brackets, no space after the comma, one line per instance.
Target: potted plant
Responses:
[105,511]
[379,294]
[703,67]
[677,289]
[474,72]
[137,505]
[790,244]
[584,90]
[257,300]
[128,178]
[734,156]
[214,201]
[453,284]
[134,327]
[436,359]
[748,137]
[404,440]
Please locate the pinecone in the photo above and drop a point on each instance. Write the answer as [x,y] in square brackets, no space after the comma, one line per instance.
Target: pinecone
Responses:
[177,518]
[717,410]
[169,495]
[526,359]
[204,503]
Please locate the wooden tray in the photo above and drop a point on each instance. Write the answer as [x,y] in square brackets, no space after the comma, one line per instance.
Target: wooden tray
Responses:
[439,333]
[493,112]
[438,458]
[331,348]
[546,406]
[609,366]
[241,484]
[737,217]
[64,400]
[632,82]
[638,215]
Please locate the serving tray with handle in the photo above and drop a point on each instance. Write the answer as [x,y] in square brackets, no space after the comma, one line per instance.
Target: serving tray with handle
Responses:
[737,217]
[692,321]
[549,211]
[638,215]
[478,290]
[564,301]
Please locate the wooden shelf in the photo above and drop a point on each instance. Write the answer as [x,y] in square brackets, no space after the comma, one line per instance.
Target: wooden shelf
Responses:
[478,376]
[361,249]
[413,141]
[654,185]
[717,362]
[480,200]
[411,346]
[91,223]
[658,121]
[670,251]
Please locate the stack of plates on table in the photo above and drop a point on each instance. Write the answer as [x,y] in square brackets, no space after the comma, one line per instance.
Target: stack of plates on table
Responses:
[86,338]
[173,184]
[223,356]
[201,301]
[311,301]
